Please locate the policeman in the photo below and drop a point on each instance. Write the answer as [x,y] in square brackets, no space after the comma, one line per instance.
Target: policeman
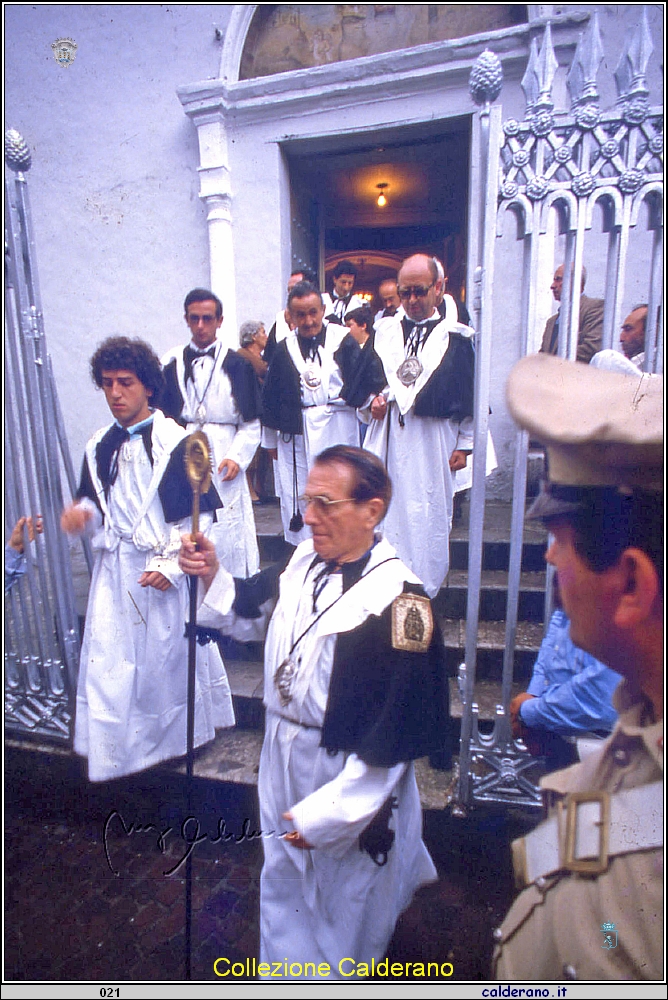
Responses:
[592,904]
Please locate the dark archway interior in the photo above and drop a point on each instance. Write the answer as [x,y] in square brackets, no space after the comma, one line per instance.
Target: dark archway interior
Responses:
[335,186]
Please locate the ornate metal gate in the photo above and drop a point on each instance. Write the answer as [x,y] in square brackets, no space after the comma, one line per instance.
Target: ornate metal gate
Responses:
[553,167]
[41,635]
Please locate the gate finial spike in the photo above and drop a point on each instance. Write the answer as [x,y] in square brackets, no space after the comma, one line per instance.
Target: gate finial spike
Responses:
[17,154]
[529,82]
[539,75]
[585,66]
[632,66]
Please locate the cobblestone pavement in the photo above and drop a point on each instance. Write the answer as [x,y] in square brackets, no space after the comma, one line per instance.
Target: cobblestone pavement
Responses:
[95,889]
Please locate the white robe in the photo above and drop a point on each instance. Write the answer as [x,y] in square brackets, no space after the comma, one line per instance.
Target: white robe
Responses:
[332,902]
[417,455]
[327,421]
[230,437]
[334,305]
[131,697]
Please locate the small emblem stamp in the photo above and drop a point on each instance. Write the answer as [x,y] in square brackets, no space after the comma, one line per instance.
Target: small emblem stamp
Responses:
[64,51]
[412,623]
[609,936]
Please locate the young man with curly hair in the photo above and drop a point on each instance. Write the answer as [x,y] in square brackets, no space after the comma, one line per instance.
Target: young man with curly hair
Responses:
[134,501]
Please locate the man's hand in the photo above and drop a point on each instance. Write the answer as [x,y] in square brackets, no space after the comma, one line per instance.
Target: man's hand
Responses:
[16,540]
[231,469]
[378,407]
[199,558]
[516,723]
[458,460]
[74,519]
[154,579]
[295,838]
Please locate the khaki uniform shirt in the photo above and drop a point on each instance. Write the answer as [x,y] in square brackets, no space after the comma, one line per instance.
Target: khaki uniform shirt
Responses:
[555,932]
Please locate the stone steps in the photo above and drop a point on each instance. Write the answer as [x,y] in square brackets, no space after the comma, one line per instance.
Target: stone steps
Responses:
[234,757]
[451,600]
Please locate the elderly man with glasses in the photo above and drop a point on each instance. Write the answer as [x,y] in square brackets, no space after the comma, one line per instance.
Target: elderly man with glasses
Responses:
[354,690]
[422,422]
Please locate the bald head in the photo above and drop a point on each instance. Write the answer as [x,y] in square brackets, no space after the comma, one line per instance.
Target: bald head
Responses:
[633,332]
[419,286]
[387,291]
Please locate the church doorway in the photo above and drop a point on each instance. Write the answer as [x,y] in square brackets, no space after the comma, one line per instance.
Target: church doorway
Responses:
[376,197]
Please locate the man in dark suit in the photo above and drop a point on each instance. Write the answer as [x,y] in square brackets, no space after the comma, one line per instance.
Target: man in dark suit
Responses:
[590,329]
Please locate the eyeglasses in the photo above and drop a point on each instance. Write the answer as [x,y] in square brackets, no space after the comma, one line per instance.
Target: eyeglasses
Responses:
[419,291]
[194,318]
[323,504]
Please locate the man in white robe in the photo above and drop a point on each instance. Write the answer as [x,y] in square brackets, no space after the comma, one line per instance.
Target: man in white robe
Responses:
[133,500]
[303,407]
[354,690]
[281,326]
[422,423]
[387,293]
[211,388]
[342,298]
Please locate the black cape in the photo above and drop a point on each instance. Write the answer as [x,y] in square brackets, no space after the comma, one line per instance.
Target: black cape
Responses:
[242,379]
[449,391]
[174,490]
[368,377]
[385,705]
[281,393]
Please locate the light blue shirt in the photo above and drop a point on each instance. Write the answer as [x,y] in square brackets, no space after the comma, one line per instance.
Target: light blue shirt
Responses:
[15,566]
[572,690]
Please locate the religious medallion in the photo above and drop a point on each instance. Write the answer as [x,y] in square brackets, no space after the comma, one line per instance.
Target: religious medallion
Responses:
[311,377]
[409,371]
[283,679]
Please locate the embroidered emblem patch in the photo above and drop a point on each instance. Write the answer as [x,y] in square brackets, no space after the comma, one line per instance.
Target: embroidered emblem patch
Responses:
[412,623]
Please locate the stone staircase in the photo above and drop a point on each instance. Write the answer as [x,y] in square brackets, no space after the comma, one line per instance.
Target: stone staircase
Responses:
[234,755]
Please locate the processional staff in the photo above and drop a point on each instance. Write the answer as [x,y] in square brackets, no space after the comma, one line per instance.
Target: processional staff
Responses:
[198,470]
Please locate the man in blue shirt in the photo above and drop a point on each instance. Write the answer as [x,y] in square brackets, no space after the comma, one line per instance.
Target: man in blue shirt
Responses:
[15,559]
[570,692]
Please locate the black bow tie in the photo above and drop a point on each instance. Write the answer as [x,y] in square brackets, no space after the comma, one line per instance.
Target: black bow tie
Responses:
[190,355]
[309,345]
[424,327]
[320,578]
[107,453]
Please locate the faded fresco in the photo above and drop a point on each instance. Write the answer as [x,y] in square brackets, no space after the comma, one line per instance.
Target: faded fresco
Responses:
[285,37]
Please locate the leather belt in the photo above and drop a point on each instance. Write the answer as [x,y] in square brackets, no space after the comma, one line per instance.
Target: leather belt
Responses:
[587,829]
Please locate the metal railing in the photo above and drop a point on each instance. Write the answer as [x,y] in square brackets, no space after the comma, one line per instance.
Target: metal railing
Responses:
[41,634]
[567,164]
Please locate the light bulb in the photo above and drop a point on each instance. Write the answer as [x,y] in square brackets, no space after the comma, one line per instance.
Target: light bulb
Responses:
[382,200]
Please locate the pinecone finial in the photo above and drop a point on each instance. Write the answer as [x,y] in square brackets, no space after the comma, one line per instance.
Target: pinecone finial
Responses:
[486,78]
[17,154]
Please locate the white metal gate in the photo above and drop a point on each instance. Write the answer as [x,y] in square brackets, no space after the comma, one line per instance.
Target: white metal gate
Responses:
[552,168]
[41,633]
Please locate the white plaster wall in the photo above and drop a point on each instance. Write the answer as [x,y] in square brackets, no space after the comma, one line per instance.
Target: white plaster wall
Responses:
[121,232]
[119,227]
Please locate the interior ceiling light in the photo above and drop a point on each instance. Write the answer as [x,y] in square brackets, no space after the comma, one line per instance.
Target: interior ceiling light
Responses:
[382,200]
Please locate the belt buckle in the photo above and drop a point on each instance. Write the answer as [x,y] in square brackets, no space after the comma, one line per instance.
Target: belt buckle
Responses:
[598,865]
